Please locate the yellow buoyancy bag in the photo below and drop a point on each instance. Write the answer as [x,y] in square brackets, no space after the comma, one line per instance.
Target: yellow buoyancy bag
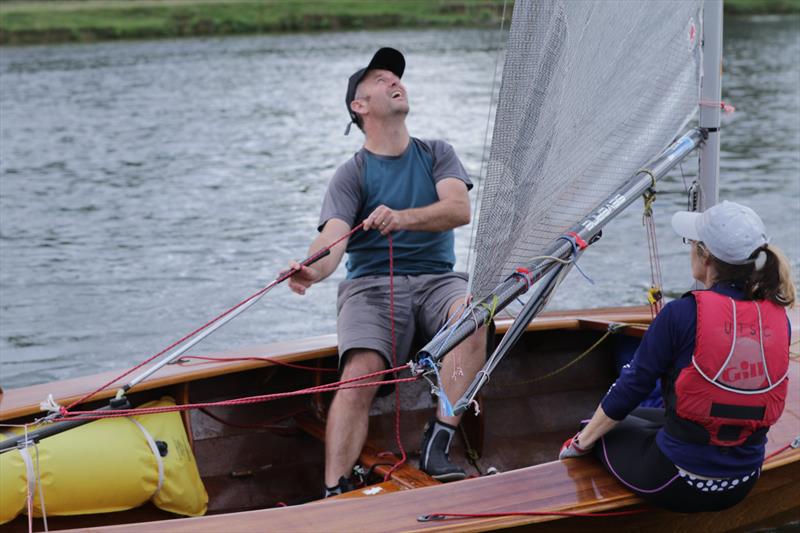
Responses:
[108,465]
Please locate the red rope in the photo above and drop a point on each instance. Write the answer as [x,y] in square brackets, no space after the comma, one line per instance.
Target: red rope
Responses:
[211,360]
[773,454]
[403,457]
[328,387]
[446,516]
[283,276]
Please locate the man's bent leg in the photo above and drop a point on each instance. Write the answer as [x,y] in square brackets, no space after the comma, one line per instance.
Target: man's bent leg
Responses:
[348,417]
[458,370]
[460,366]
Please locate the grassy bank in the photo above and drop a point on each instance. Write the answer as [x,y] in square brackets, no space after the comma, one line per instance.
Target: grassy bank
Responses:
[762,7]
[91,20]
[50,21]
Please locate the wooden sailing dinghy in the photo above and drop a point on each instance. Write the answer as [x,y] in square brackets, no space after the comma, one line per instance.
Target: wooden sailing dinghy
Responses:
[251,471]
[262,463]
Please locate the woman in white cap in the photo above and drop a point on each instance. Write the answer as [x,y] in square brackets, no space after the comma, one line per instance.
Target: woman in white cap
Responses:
[722,355]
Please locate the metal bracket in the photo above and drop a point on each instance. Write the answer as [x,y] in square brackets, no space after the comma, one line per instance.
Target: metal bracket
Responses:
[21,445]
[615,327]
[430,517]
[693,200]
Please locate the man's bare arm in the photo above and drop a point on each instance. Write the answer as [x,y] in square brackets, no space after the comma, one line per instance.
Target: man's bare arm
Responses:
[308,275]
[452,210]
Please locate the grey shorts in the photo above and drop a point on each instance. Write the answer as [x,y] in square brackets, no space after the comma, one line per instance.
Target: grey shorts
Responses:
[421,304]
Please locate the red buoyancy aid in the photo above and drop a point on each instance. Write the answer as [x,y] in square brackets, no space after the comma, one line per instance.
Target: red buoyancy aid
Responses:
[738,378]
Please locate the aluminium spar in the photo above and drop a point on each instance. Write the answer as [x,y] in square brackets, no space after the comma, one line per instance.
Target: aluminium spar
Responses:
[194,338]
[562,250]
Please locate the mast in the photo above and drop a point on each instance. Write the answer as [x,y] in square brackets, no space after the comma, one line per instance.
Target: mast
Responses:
[710,107]
[586,230]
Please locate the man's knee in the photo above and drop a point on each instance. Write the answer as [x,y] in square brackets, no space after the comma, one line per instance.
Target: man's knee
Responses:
[359,363]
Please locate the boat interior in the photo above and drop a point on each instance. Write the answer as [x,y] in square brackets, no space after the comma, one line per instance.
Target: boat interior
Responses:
[271,454]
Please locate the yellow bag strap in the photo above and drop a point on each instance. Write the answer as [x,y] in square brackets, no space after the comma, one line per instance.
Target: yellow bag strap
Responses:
[159,461]
[30,475]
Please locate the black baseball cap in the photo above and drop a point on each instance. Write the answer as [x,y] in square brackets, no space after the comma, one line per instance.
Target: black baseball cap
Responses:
[384,59]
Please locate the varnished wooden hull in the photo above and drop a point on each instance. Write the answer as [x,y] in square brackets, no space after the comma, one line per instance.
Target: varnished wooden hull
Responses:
[250,472]
[549,487]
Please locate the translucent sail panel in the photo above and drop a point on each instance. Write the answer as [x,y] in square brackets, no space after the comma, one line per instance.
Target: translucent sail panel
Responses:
[591,90]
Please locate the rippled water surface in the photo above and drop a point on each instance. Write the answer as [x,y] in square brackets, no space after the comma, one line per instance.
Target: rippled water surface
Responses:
[148,186]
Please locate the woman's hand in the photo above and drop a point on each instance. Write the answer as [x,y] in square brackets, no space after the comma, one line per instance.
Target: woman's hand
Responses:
[573,448]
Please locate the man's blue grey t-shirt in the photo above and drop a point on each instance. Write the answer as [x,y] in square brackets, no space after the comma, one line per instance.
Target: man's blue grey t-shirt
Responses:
[406,181]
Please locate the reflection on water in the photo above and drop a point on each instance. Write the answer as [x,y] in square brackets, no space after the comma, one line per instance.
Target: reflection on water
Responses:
[148,186]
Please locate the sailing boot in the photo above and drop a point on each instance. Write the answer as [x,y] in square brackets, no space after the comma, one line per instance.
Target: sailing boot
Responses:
[435,452]
[345,485]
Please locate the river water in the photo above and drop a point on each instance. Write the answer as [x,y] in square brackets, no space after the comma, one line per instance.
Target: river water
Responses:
[147,186]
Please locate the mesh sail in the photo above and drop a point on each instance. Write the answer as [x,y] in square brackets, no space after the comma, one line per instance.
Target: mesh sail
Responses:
[591,90]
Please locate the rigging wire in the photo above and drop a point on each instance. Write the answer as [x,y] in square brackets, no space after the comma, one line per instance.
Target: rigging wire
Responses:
[281,277]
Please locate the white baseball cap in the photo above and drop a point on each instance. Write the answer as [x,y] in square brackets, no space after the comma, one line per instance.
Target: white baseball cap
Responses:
[732,232]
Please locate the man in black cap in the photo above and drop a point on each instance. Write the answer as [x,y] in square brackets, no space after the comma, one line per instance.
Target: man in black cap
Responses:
[417,192]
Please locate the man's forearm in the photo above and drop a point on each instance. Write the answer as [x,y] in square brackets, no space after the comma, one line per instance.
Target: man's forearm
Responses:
[439,216]
[328,264]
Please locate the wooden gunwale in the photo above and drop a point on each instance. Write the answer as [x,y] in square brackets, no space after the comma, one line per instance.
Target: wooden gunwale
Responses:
[15,403]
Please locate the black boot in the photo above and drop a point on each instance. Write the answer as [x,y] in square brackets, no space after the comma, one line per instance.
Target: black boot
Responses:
[345,485]
[434,454]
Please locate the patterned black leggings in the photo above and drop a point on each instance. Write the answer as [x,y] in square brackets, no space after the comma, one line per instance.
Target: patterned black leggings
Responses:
[630,453]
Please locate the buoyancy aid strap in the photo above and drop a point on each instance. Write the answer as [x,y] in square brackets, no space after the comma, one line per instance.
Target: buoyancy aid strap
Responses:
[738,412]
[761,345]
[692,432]
[733,346]
[154,448]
